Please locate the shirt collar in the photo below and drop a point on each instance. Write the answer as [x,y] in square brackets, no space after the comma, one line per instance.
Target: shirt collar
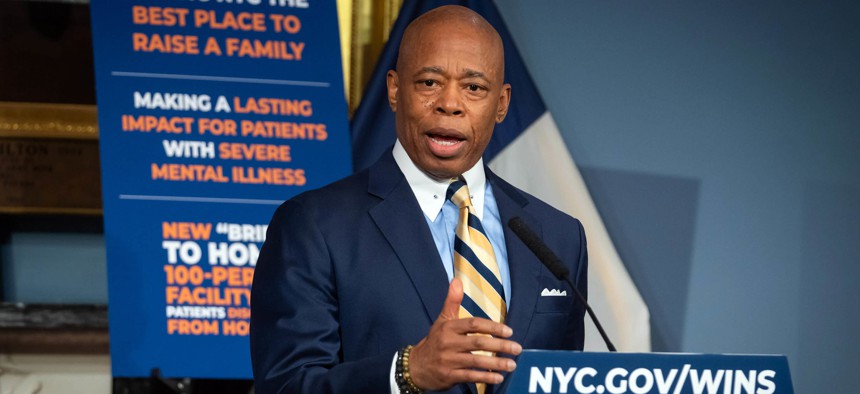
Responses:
[431,192]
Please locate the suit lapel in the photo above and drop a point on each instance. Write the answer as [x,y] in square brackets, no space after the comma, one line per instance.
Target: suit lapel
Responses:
[523,265]
[398,216]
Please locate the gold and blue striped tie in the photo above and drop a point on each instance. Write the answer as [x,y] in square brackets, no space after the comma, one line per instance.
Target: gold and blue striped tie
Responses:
[475,265]
[474,262]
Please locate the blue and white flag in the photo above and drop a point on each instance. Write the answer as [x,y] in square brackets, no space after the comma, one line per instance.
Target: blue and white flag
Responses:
[526,143]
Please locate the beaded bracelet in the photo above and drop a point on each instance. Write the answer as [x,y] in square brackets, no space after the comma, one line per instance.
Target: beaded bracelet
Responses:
[401,373]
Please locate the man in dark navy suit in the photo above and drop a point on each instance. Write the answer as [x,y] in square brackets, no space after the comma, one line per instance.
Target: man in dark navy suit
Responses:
[352,273]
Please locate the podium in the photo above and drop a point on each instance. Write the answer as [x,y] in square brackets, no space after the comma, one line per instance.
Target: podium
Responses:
[544,371]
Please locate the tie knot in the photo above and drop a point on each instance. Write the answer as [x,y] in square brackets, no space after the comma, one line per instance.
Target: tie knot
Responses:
[458,193]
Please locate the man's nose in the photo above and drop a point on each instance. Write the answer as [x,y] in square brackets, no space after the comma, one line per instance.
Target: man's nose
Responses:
[449,102]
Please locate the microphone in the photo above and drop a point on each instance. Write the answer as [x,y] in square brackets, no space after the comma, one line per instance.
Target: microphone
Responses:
[554,264]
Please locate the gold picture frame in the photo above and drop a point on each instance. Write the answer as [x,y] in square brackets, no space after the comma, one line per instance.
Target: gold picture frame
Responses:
[49,160]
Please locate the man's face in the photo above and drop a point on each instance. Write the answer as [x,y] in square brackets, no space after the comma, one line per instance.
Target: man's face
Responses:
[447,94]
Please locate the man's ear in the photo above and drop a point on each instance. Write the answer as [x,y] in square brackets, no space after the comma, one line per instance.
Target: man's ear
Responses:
[504,103]
[392,82]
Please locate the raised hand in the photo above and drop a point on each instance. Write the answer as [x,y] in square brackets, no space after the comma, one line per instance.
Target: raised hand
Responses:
[444,357]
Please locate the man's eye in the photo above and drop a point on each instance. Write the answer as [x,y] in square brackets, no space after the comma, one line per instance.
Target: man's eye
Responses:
[429,83]
[473,87]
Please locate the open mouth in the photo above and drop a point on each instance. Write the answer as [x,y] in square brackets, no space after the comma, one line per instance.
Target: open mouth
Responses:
[445,140]
[445,143]
[445,137]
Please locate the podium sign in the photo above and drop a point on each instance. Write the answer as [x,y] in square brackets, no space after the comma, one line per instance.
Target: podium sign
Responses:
[676,373]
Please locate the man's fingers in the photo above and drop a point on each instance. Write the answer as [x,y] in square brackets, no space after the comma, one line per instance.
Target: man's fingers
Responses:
[445,357]
[476,325]
[475,376]
[483,362]
[488,344]
[451,308]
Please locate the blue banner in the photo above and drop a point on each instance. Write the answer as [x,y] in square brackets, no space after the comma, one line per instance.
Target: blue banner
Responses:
[584,372]
[210,115]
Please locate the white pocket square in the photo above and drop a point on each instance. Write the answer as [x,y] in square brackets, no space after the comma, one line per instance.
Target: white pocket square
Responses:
[553,293]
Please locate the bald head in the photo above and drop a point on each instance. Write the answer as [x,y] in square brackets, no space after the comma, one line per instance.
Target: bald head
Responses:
[448,90]
[442,21]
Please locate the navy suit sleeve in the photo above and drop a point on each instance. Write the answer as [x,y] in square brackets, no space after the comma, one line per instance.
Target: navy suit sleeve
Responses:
[295,334]
[582,273]
[581,281]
